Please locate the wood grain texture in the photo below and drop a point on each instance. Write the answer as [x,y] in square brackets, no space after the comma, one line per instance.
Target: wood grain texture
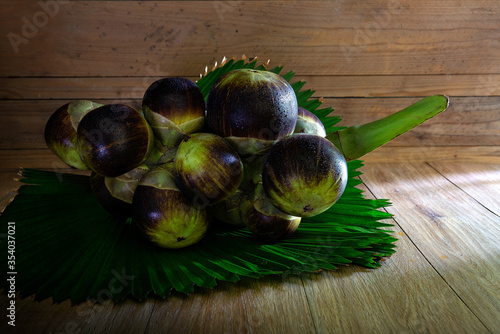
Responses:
[376,37]
[365,59]
[8,187]
[432,284]
[410,296]
[324,86]
[468,121]
[46,317]
[393,154]
[24,121]
[267,305]
[457,235]
[478,180]
[45,159]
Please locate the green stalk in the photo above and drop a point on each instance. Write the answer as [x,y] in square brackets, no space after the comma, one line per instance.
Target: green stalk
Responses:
[356,141]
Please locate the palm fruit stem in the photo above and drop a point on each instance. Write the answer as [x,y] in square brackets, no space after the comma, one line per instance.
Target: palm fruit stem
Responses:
[356,141]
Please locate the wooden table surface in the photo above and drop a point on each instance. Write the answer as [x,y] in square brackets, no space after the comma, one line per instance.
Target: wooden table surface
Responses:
[366,60]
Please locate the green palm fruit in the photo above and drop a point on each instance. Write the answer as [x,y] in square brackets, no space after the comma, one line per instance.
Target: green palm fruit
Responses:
[163,214]
[304,175]
[207,168]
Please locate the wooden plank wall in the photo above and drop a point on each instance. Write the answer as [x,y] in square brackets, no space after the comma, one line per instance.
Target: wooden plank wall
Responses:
[366,59]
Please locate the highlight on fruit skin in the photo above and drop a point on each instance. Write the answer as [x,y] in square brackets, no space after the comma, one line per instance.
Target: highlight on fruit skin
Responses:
[207,168]
[251,109]
[304,175]
[174,107]
[164,215]
[265,221]
[60,131]
[309,123]
[114,139]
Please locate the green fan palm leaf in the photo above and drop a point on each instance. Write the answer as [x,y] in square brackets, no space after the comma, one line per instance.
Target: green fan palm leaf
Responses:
[71,248]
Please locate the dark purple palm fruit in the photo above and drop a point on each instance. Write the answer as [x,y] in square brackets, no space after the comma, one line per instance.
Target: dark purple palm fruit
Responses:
[304,175]
[115,194]
[163,214]
[251,109]
[114,139]
[266,222]
[174,107]
[60,131]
